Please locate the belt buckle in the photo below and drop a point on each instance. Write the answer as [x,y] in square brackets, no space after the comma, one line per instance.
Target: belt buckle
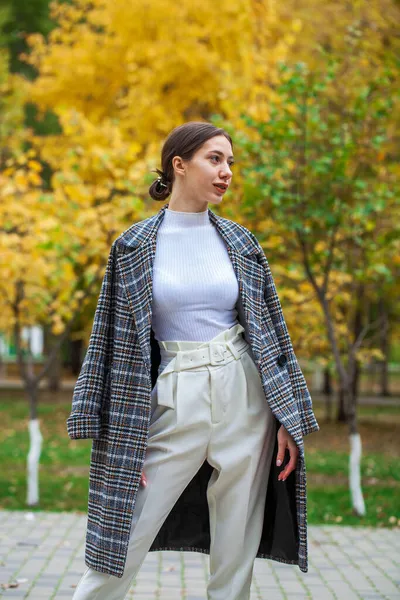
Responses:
[217,354]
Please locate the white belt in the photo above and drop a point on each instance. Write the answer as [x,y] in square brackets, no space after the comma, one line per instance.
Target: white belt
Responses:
[217,352]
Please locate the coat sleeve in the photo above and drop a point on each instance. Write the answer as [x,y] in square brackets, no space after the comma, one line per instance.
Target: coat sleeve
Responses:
[301,393]
[85,418]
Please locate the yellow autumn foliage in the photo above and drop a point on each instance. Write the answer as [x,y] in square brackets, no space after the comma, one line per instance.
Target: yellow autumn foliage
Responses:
[119,75]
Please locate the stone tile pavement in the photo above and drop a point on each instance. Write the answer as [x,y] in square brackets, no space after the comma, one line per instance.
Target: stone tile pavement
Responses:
[42,558]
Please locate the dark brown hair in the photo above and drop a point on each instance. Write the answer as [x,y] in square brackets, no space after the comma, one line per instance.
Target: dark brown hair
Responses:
[183,141]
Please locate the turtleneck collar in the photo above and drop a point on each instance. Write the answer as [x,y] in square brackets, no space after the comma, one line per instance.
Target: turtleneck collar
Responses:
[186,219]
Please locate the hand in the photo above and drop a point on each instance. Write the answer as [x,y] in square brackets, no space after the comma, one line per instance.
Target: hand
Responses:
[143,479]
[285,440]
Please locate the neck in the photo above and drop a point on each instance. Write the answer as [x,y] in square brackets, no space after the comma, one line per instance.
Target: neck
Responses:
[187,206]
[186,219]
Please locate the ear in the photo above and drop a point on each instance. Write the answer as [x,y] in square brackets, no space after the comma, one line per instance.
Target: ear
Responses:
[179,165]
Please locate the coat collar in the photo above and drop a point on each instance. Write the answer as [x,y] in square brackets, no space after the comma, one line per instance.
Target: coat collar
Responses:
[136,270]
[144,232]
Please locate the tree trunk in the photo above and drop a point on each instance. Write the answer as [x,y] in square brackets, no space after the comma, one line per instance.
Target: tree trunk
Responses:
[327,388]
[76,356]
[327,391]
[355,372]
[3,368]
[55,373]
[355,382]
[385,346]
[35,448]
[357,499]
[341,416]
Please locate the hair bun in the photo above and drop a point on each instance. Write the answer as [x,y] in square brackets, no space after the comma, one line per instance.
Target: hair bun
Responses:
[163,177]
[160,188]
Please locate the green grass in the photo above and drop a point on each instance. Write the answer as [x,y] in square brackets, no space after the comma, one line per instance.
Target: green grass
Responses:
[64,464]
[334,463]
[331,504]
[367,411]
[57,493]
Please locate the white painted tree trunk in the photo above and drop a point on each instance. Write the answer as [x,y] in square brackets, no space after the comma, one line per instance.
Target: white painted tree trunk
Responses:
[35,447]
[357,499]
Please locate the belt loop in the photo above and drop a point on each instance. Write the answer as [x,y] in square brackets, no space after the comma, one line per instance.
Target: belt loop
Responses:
[232,348]
[178,356]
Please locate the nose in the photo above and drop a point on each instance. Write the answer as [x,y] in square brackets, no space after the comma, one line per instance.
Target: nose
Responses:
[225,172]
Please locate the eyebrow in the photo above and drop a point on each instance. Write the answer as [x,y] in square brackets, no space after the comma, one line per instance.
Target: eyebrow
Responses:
[219,152]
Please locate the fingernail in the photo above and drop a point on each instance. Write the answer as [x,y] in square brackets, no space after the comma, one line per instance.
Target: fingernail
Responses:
[279,462]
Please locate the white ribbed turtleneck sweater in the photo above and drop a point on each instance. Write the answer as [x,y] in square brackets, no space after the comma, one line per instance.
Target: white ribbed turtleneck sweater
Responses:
[194,285]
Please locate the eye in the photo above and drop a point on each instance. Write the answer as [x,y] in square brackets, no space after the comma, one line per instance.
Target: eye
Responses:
[230,164]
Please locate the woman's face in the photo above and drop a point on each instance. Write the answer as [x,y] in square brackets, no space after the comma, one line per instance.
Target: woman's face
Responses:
[210,165]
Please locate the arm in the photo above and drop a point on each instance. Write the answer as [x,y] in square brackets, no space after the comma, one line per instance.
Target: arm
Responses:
[85,421]
[298,382]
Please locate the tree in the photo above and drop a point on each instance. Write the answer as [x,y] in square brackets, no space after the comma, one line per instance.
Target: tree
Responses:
[52,259]
[318,170]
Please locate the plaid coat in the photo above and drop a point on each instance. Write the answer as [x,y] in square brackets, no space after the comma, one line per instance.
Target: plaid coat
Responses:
[111,403]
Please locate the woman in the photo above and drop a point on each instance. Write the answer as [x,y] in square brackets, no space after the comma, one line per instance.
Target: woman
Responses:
[190,387]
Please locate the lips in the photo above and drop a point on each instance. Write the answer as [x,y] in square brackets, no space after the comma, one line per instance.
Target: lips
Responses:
[221,186]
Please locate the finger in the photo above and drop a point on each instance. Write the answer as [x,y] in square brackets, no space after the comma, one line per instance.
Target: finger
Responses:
[289,467]
[281,453]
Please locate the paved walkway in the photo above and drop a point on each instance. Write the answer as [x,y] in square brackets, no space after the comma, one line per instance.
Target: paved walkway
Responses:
[42,558]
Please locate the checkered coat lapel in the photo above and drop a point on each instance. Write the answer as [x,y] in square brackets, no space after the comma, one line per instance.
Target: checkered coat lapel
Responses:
[111,403]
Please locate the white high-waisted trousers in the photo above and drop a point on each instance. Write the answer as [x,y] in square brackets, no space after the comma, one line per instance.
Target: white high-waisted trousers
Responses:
[208,403]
